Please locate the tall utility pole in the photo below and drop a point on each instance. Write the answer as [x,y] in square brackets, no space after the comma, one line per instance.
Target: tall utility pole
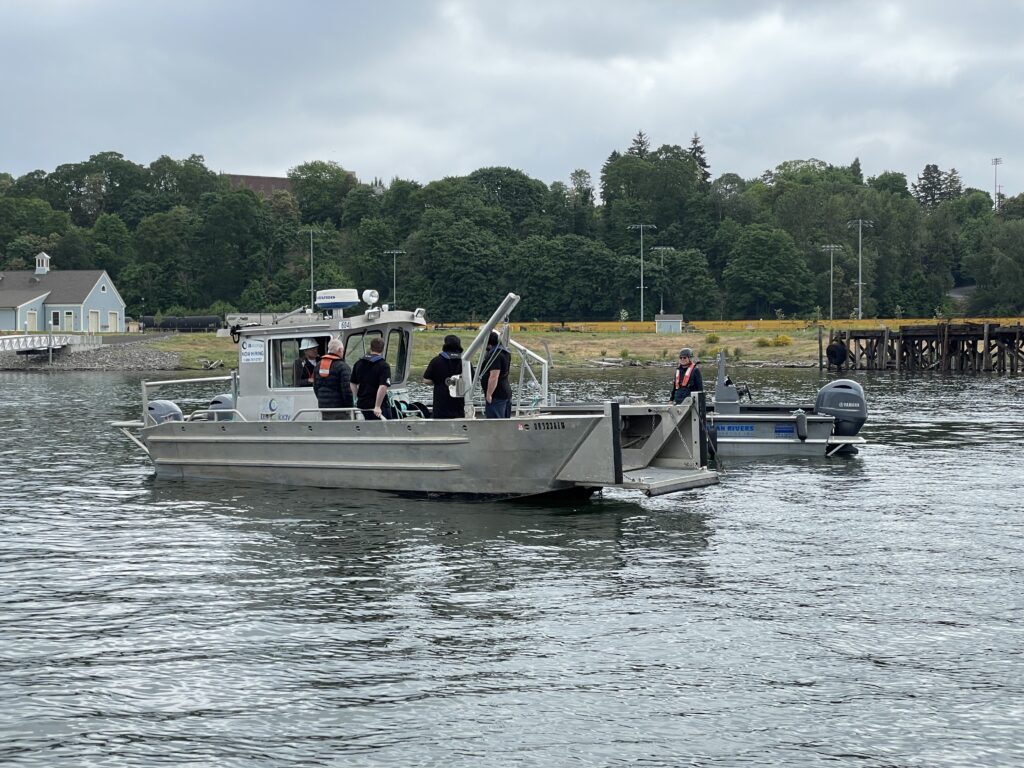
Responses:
[861,223]
[394,254]
[996,162]
[661,250]
[312,292]
[831,269]
[641,227]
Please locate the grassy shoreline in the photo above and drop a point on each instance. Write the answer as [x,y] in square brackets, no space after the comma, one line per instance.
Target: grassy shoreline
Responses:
[565,349]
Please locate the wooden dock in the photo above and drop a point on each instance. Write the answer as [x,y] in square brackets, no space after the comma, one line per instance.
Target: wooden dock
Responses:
[947,347]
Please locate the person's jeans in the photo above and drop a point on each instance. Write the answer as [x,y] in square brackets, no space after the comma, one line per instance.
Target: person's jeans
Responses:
[498,409]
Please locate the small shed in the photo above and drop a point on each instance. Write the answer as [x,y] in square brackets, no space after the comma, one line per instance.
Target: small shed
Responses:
[668,324]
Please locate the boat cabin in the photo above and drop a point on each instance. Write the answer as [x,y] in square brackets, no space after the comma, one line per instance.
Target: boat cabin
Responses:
[267,354]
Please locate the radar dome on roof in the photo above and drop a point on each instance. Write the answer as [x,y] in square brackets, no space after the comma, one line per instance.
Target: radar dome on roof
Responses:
[337,298]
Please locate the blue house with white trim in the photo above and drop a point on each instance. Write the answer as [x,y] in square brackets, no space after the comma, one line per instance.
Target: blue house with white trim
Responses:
[73,300]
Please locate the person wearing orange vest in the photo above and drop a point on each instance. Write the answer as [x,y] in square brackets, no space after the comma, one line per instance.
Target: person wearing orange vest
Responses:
[688,380]
[331,384]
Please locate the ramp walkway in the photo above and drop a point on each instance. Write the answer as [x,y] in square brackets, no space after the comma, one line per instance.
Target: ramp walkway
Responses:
[40,342]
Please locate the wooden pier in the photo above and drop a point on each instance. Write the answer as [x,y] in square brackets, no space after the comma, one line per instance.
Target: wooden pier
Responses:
[947,347]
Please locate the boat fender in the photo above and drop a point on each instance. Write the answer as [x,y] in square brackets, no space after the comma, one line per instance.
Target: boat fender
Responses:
[801,424]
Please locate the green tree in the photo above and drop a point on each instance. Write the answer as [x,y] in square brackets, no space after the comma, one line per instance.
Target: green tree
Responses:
[320,187]
[766,273]
[641,145]
[111,244]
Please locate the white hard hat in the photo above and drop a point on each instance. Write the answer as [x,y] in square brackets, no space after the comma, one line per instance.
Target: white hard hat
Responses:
[307,344]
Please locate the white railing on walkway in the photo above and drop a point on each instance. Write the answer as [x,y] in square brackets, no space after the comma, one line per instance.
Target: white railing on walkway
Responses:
[31,341]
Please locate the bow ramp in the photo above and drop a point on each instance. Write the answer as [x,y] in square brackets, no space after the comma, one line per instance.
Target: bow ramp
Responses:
[655,449]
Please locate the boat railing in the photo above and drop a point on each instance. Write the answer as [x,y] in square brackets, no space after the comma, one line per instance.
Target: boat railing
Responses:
[302,411]
[527,359]
[148,385]
[215,414]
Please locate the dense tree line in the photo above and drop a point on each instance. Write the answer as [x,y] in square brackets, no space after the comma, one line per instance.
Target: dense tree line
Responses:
[177,238]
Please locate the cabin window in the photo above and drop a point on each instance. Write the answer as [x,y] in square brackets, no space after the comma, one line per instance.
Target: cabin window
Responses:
[358,344]
[398,342]
[284,353]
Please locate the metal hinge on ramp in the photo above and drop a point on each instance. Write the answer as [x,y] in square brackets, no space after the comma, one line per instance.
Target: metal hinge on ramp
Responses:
[657,481]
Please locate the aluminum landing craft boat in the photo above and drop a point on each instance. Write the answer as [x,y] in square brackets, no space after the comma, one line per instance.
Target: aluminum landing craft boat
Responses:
[828,427]
[269,431]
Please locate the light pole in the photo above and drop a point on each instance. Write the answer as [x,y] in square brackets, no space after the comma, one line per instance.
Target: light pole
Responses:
[394,274]
[661,251]
[641,227]
[312,292]
[831,268]
[996,162]
[861,223]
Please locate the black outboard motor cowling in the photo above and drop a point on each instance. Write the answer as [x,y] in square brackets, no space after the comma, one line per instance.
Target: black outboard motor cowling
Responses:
[844,400]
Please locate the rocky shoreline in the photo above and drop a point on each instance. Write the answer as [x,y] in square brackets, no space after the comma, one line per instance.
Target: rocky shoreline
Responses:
[129,356]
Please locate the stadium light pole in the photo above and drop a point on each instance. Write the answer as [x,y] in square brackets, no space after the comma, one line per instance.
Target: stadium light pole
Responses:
[996,162]
[861,223]
[831,248]
[661,251]
[641,227]
[394,254]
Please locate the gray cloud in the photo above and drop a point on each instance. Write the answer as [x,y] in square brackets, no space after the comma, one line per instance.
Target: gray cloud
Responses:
[425,90]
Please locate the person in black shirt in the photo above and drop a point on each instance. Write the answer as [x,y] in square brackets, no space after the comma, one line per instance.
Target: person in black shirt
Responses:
[497,391]
[442,367]
[331,384]
[837,354]
[371,377]
[688,380]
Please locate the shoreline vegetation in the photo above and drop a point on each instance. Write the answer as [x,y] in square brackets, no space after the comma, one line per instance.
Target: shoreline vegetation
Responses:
[567,349]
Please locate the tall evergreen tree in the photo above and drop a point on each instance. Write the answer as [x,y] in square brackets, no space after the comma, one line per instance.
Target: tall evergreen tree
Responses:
[641,145]
[929,186]
[699,156]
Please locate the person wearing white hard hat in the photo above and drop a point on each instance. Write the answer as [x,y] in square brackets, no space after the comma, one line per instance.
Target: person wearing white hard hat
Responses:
[304,369]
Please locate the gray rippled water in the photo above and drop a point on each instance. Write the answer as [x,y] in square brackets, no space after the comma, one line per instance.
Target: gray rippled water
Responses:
[862,612]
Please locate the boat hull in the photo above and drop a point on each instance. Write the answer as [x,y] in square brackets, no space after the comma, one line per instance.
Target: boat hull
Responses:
[471,458]
[778,434]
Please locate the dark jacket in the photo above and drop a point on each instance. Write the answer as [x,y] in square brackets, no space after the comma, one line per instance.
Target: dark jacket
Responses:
[681,390]
[331,384]
[304,372]
[438,371]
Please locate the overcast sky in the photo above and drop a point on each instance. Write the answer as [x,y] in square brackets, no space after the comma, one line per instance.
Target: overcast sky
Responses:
[423,90]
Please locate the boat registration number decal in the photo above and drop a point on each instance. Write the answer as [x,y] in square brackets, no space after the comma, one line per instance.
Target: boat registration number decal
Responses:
[785,430]
[540,426]
[736,428]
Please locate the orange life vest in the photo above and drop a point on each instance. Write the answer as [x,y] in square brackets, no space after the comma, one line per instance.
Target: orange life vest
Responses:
[325,365]
[686,377]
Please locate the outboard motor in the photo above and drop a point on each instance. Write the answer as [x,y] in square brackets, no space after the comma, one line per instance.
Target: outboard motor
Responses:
[224,402]
[844,400]
[160,411]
